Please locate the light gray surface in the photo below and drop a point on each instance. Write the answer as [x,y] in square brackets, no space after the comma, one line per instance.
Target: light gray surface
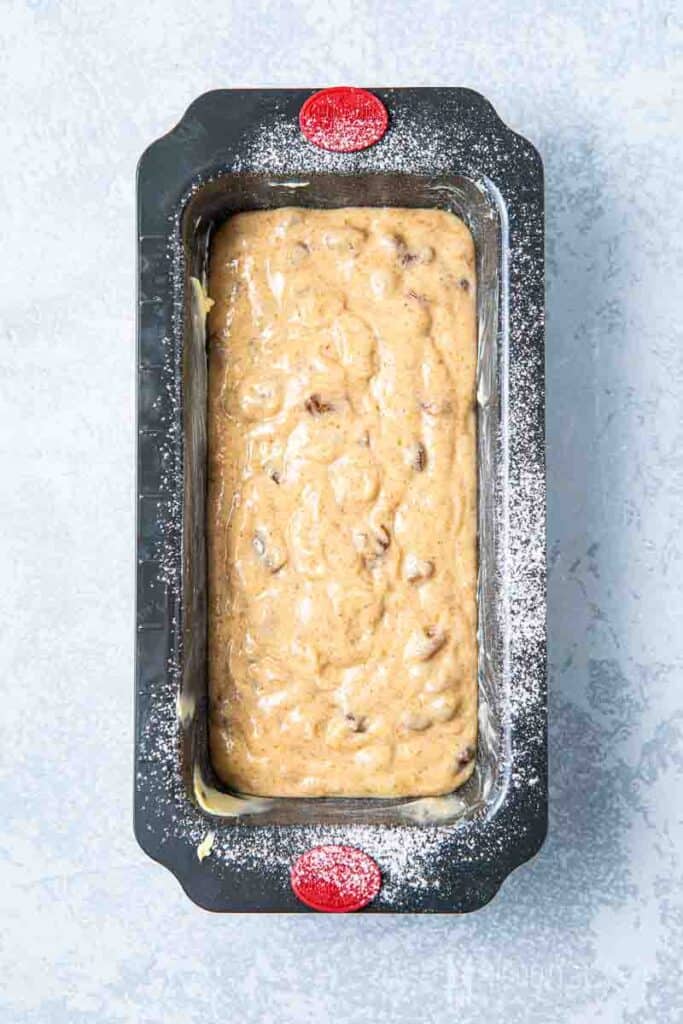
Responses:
[92,930]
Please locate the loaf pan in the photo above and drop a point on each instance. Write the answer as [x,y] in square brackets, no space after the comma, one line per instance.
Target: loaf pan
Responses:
[240,150]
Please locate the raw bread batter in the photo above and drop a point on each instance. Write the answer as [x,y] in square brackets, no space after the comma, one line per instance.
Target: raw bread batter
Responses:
[342,502]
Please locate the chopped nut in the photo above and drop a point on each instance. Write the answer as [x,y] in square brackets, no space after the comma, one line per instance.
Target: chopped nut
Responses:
[344,729]
[316,406]
[435,408]
[416,721]
[360,540]
[383,282]
[417,312]
[372,547]
[441,681]
[316,308]
[417,456]
[383,538]
[275,476]
[465,756]
[407,257]
[299,252]
[393,244]
[354,478]
[417,570]
[444,706]
[259,398]
[375,758]
[345,237]
[424,645]
[272,554]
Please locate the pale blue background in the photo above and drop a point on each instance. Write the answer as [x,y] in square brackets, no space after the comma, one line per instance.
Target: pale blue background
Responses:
[90,929]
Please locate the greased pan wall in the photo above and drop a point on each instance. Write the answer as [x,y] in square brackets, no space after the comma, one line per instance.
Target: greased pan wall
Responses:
[242,150]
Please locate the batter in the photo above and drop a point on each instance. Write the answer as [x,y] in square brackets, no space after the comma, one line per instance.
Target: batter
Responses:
[342,502]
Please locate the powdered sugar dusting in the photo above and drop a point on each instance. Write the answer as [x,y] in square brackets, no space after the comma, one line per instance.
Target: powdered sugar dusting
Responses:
[411,146]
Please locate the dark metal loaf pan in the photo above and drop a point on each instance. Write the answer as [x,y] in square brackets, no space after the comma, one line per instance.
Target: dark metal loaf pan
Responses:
[240,150]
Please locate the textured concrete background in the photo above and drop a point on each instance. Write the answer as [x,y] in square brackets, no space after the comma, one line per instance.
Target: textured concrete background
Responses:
[91,930]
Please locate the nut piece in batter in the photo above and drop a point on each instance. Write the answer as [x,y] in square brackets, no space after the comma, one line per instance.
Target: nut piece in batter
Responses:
[342,502]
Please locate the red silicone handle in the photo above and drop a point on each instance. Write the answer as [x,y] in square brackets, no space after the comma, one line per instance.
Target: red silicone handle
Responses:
[343,119]
[335,879]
